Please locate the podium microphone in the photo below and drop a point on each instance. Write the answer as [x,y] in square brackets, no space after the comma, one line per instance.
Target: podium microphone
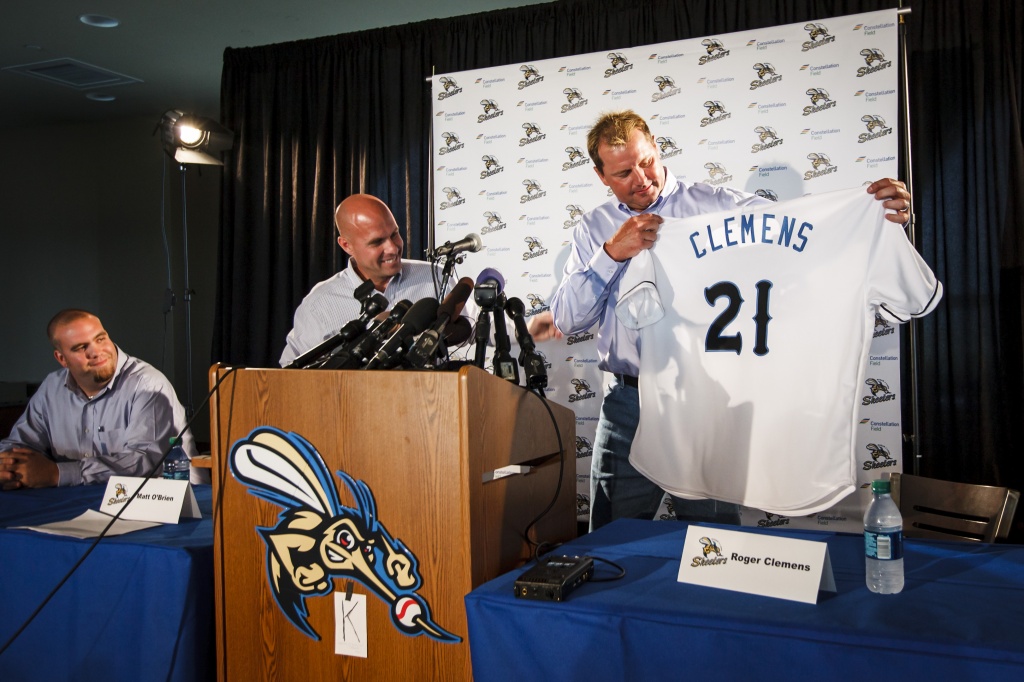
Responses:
[424,350]
[415,321]
[312,359]
[489,284]
[533,364]
[471,243]
[354,355]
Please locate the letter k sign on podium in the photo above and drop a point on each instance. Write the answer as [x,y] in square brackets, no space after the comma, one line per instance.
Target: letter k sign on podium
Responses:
[160,501]
[767,565]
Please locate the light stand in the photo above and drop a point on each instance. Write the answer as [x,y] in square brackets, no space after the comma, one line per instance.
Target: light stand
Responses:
[188,138]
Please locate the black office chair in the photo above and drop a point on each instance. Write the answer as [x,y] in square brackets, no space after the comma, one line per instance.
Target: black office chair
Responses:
[953,511]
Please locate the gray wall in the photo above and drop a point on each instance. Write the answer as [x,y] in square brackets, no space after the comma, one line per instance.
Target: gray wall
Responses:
[80,226]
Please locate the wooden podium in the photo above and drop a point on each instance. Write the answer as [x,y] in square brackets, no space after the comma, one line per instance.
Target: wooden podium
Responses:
[426,445]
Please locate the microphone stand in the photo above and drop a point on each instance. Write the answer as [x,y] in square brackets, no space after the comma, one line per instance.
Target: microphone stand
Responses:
[483,334]
[504,366]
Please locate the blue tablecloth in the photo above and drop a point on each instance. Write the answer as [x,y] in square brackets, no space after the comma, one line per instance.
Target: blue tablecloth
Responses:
[139,608]
[959,617]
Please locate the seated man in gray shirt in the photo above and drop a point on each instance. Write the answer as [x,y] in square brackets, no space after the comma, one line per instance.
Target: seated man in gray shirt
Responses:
[106,413]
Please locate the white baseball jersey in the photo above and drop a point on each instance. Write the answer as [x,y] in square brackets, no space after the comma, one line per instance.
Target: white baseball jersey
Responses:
[755,328]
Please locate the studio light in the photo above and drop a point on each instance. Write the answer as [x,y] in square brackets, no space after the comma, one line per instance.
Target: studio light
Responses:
[189,138]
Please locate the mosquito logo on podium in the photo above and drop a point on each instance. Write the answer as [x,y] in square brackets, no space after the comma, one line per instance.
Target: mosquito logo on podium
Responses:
[318,539]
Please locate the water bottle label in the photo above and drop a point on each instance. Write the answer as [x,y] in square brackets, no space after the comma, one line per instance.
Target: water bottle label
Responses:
[883,546]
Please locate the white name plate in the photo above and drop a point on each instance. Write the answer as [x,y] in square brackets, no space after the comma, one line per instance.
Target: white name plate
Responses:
[161,501]
[755,563]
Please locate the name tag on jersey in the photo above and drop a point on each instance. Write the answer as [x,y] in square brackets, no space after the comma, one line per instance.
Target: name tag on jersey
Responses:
[160,501]
[768,565]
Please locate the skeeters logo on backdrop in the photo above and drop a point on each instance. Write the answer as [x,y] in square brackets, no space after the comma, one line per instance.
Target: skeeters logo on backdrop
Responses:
[666,88]
[819,36]
[715,51]
[772,520]
[711,546]
[494,222]
[619,64]
[531,76]
[491,166]
[577,158]
[452,143]
[820,101]
[574,99]
[880,392]
[491,110]
[768,139]
[318,539]
[533,191]
[454,198]
[537,305]
[667,147]
[582,390]
[821,165]
[882,327]
[536,249]
[717,174]
[451,88]
[533,134]
[765,75]
[584,448]
[876,128]
[880,457]
[767,194]
[716,113]
[875,60]
[575,213]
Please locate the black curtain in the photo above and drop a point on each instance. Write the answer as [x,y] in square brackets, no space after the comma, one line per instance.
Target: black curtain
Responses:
[320,119]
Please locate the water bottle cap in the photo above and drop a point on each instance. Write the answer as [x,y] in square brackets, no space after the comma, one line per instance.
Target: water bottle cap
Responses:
[880,487]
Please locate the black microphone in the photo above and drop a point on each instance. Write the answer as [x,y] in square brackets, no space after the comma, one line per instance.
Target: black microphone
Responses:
[533,364]
[415,321]
[471,243]
[424,350]
[489,284]
[354,356]
[371,307]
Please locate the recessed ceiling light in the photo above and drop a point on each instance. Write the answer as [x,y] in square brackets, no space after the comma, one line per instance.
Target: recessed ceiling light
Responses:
[98,20]
[100,97]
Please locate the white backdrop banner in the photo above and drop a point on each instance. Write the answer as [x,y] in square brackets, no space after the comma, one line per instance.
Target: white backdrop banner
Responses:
[781,111]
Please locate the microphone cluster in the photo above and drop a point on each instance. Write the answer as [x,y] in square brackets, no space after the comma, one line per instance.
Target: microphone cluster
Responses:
[416,335]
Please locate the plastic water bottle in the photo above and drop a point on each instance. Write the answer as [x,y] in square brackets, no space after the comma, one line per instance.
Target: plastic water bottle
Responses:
[177,463]
[883,541]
